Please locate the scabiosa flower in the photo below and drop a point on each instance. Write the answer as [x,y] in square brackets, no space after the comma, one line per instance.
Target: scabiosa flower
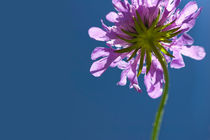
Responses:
[146,36]
[143,30]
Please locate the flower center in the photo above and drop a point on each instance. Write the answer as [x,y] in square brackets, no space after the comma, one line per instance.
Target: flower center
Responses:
[148,40]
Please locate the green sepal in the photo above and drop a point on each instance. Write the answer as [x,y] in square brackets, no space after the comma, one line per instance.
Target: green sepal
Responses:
[169,32]
[155,50]
[148,60]
[129,33]
[133,54]
[128,49]
[175,34]
[137,26]
[164,26]
[165,40]
[141,61]
[172,30]
[155,22]
[162,49]
[141,24]
[126,40]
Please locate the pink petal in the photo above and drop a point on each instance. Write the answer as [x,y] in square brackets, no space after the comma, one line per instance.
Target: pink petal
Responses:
[152,3]
[197,13]
[195,52]
[135,3]
[178,61]
[97,34]
[154,80]
[99,67]
[156,92]
[188,10]
[185,39]
[147,81]
[131,74]
[187,26]
[100,52]
[189,22]
[119,5]
[123,65]
[112,17]
[123,79]
[172,4]
[137,87]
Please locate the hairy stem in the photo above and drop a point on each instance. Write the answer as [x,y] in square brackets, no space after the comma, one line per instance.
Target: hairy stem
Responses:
[159,115]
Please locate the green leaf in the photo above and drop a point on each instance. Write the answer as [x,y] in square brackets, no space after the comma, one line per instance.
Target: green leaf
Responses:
[141,61]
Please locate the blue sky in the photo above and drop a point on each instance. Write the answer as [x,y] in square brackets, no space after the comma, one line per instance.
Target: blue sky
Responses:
[47,91]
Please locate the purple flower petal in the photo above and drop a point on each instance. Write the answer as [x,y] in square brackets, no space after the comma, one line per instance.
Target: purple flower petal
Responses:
[135,3]
[123,65]
[97,34]
[154,80]
[123,79]
[178,61]
[136,87]
[123,19]
[172,4]
[100,66]
[129,71]
[185,39]
[112,17]
[195,52]
[120,6]
[100,52]
[152,3]
[156,92]
[188,10]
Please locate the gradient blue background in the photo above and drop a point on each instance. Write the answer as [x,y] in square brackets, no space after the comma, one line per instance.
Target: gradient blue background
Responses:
[47,92]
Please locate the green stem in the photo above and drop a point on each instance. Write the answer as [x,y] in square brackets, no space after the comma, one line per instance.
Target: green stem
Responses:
[159,115]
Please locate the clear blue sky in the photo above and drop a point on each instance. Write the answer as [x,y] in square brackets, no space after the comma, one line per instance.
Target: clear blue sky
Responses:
[47,92]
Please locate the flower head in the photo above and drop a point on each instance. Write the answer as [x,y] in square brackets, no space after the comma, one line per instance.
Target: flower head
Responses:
[145,32]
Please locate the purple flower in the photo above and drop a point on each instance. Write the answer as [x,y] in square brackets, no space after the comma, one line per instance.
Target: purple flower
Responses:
[142,31]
